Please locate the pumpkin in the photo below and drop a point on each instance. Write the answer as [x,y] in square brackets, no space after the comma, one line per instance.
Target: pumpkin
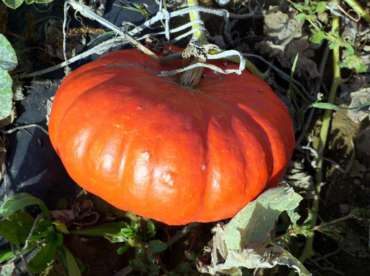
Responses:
[147,145]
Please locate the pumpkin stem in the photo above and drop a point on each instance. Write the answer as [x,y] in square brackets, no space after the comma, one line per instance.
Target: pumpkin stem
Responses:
[194,49]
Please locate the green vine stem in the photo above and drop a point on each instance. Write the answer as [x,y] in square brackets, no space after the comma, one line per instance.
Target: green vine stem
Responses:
[324,132]
[358,9]
[191,78]
[197,27]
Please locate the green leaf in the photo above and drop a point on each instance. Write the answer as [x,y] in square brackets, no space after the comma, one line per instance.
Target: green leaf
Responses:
[61,227]
[350,51]
[294,66]
[69,262]
[301,17]
[157,246]
[125,235]
[102,230]
[321,7]
[150,228]
[115,232]
[6,94]
[8,61]
[29,2]
[293,216]
[318,37]
[123,249]
[42,228]
[15,229]
[245,240]
[322,105]
[8,57]
[13,4]
[43,1]
[256,258]
[6,255]
[19,202]
[354,62]
[44,256]
[299,7]
[334,43]
[255,221]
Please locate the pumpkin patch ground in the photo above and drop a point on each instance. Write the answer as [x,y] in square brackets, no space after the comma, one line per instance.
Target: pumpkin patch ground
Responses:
[184,137]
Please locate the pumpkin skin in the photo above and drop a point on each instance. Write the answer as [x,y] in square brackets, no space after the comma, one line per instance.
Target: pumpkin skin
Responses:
[147,145]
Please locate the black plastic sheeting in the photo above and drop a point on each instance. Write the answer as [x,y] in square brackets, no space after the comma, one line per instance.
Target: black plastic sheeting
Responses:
[32,165]
[117,13]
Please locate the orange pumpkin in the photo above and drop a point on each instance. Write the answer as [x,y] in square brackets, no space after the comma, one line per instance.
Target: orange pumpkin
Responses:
[147,145]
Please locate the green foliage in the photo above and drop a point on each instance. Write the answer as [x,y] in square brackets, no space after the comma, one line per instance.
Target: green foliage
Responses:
[19,202]
[254,223]
[136,7]
[310,9]
[353,61]
[8,57]
[39,240]
[130,234]
[6,94]
[44,254]
[245,242]
[107,229]
[137,235]
[327,106]
[157,246]
[69,262]
[8,61]
[18,233]
[6,255]
[35,239]
[314,12]
[305,229]
[14,4]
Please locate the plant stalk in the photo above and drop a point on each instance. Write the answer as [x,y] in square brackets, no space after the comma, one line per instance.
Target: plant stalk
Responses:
[196,25]
[358,9]
[324,133]
[192,78]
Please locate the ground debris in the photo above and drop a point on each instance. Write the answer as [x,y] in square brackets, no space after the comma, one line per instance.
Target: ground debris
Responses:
[285,40]
[359,108]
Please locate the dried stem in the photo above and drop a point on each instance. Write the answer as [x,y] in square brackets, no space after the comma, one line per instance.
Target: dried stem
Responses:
[87,12]
[15,129]
[160,16]
[99,49]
